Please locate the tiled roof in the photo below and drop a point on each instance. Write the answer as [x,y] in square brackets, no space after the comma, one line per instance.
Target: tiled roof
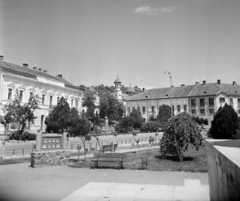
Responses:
[188,91]
[19,73]
[205,89]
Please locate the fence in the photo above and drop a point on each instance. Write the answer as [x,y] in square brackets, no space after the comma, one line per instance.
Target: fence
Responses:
[89,146]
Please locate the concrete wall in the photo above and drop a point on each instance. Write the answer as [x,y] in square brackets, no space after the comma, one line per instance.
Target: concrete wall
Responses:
[224,169]
[47,158]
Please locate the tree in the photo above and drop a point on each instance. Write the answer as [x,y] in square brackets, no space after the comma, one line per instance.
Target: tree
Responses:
[225,123]
[124,125]
[16,111]
[89,99]
[58,120]
[81,127]
[136,119]
[181,131]
[150,126]
[164,114]
[111,107]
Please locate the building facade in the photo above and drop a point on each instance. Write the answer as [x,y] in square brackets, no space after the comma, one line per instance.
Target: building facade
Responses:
[35,82]
[201,100]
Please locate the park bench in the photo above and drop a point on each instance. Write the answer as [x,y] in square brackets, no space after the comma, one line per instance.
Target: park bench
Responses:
[116,158]
[108,147]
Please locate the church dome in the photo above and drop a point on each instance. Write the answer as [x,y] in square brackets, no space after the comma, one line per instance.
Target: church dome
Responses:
[117,80]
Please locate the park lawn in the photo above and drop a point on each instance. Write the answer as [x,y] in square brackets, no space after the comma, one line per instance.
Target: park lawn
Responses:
[194,161]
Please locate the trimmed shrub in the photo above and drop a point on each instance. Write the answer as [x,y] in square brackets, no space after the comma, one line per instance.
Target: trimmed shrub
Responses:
[181,131]
[26,136]
[225,123]
[151,126]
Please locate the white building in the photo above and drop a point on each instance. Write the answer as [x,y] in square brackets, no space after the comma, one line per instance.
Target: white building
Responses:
[35,81]
[201,100]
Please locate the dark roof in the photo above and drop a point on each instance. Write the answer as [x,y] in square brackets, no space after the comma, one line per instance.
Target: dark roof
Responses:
[117,80]
[27,70]
[189,91]
[19,73]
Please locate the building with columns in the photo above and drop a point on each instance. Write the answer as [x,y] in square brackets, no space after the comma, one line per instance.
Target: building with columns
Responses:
[38,82]
[201,100]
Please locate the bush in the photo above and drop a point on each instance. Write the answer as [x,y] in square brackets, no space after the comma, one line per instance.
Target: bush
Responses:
[151,126]
[25,136]
[181,131]
[225,123]
[200,121]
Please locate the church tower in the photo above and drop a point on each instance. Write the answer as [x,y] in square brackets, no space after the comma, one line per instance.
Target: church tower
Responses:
[118,91]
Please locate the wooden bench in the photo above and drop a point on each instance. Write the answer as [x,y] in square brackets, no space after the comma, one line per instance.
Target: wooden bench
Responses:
[108,147]
[116,158]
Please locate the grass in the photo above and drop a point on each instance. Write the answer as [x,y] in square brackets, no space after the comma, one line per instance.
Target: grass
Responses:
[194,161]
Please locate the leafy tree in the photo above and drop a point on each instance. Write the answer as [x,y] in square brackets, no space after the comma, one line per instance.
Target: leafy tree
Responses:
[110,107]
[150,126]
[200,121]
[59,119]
[151,118]
[136,119]
[124,125]
[225,123]
[181,131]
[16,111]
[81,127]
[164,114]
[89,102]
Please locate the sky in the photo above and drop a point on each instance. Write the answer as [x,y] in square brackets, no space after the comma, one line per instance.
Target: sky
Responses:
[90,42]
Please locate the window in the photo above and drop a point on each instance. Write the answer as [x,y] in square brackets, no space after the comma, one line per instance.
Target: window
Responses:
[193,112]
[202,111]
[211,101]
[133,108]
[152,109]
[58,98]
[185,108]
[43,99]
[76,103]
[30,94]
[222,100]
[202,102]
[231,102]
[193,102]
[71,102]
[238,102]
[50,101]
[178,108]
[9,94]
[173,108]
[20,96]
[129,109]
[211,111]
[138,108]
[143,109]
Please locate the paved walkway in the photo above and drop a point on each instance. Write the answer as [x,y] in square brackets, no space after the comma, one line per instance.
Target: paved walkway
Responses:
[99,191]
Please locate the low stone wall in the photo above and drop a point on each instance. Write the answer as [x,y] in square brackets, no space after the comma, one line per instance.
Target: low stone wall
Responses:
[223,169]
[46,158]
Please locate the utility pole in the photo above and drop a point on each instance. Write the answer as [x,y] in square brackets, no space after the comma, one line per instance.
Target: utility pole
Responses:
[170,76]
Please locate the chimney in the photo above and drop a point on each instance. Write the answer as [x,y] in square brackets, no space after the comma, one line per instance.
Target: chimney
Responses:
[40,70]
[204,82]
[45,71]
[25,65]
[234,83]
[197,83]
[34,68]
[1,57]
[143,89]
[182,85]
[219,81]
[59,76]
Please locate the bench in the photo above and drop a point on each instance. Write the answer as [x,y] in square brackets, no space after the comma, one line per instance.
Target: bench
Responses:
[108,147]
[116,158]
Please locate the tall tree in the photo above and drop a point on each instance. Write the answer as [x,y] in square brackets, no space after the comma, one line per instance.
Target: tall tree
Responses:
[16,111]
[225,123]
[136,119]
[58,120]
[89,102]
[164,114]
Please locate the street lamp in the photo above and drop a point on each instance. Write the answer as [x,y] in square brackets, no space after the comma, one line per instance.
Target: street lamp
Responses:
[170,76]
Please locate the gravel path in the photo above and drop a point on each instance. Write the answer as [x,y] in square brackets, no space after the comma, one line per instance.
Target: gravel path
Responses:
[21,182]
